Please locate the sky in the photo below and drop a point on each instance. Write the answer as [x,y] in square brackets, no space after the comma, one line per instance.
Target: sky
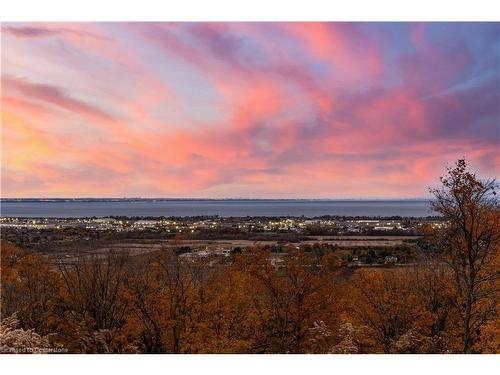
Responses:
[258,110]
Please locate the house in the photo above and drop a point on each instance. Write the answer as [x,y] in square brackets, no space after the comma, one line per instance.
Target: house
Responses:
[384,228]
[145,223]
[391,259]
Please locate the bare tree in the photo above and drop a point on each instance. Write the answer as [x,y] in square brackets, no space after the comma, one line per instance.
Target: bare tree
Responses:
[95,287]
[470,244]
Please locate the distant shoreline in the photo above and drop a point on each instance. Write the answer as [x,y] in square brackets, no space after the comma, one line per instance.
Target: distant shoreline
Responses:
[228,218]
[41,200]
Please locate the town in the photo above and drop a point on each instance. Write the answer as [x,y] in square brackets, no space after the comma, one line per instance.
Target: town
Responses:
[357,241]
[186,225]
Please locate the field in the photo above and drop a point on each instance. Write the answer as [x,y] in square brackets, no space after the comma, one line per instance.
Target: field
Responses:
[142,246]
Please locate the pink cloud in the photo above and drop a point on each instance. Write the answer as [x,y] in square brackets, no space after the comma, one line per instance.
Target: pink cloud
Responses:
[349,50]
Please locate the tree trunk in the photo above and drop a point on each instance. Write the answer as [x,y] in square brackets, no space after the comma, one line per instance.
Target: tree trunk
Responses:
[467,334]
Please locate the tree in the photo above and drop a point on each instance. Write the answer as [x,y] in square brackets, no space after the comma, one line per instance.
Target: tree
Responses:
[178,296]
[294,294]
[146,319]
[29,288]
[470,245]
[94,297]
[391,310]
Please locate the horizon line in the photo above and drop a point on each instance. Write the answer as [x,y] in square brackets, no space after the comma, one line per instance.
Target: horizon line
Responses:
[212,198]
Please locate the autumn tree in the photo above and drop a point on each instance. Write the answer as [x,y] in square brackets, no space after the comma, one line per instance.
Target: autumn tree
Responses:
[470,245]
[294,296]
[180,293]
[390,309]
[30,289]
[146,320]
[93,293]
[232,313]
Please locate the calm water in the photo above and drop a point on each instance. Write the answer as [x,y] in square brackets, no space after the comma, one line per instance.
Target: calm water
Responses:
[214,207]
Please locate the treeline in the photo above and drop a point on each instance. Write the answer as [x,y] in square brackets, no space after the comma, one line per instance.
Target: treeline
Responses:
[304,304]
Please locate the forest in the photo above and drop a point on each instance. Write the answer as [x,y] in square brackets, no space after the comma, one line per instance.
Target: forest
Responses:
[309,302]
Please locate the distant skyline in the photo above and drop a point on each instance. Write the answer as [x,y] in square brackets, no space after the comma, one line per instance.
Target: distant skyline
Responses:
[261,110]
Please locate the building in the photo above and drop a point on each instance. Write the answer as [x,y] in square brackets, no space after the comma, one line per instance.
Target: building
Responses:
[391,259]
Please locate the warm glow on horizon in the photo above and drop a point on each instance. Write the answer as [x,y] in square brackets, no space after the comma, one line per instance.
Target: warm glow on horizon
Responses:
[275,110]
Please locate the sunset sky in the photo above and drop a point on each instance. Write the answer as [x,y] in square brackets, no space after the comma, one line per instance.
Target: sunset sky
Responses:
[276,110]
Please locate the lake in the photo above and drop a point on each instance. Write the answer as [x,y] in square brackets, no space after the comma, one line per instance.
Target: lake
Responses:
[224,208]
